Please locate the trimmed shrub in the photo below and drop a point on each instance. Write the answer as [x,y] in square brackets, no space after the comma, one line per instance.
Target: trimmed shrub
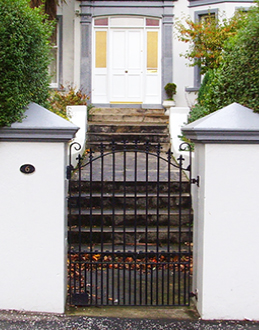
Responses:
[170,90]
[24,59]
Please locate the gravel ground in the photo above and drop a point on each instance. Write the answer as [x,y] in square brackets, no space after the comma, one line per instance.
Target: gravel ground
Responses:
[10,320]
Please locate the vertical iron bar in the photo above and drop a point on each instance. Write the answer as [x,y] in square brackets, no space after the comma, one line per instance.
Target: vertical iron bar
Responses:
[185,283]
[146,224]
[107,282]
[174,281]
[124,218]
[157,218]
[135,217]
[162,283]
[129,269]
[180,228]
[151,282]
[113,216]
[79,219]
[91,225]
[169,222]
[118,282]
[96,284]
[75,269]
[102,216]
[140,284]
[70,228]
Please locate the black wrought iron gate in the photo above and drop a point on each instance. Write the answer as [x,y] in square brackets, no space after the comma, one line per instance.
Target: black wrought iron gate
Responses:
[130,227]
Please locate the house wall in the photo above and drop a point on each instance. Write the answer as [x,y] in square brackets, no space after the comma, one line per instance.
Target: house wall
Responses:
[77,35]
[157,9]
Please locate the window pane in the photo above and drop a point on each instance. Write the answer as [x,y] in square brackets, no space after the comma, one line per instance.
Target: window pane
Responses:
[152,50]
[53,67]
[127,21]
[100,49]
[101,21]
[152,22]
[207,18]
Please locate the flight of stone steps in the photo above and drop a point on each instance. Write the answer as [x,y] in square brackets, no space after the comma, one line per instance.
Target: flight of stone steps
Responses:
[123,124]
[134,210]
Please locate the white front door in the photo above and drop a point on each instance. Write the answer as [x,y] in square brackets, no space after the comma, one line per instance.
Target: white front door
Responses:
[126,60]
[126,65]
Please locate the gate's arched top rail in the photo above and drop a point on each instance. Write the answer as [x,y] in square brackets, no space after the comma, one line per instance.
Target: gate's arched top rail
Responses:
[134,148]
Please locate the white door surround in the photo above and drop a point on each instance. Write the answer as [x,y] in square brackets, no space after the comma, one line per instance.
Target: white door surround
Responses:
[126,66]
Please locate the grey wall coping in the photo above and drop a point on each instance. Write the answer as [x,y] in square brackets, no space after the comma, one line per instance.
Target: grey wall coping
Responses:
[39,124]
[194,3]
[231,124]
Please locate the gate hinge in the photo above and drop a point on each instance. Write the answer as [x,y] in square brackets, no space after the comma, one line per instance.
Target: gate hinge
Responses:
[194,294]
[197,181]
[69,171]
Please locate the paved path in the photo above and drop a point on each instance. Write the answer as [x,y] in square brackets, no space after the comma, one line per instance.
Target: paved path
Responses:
[27,321]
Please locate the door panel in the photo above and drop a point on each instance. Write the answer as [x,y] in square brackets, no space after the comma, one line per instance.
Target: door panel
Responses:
[126,65]
[118,50]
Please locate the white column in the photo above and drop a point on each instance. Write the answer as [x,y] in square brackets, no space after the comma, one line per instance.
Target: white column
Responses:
[33,213]
[226,218]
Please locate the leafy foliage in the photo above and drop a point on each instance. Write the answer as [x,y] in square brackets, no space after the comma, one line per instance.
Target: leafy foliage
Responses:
[237,77]
[60,99]
[170,90]
[24,58]
[50,6]
[207,37]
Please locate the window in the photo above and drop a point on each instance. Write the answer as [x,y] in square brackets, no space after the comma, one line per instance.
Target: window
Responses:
[152,51]
[201,16]
[55,67]
[100,49]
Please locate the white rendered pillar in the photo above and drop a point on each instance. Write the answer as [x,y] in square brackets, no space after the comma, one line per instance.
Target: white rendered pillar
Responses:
[226,217]
[33,212]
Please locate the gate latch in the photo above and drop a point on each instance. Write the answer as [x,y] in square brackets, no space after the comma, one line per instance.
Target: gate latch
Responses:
[197,181]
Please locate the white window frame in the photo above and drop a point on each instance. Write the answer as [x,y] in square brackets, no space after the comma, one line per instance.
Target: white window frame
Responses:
[58,74]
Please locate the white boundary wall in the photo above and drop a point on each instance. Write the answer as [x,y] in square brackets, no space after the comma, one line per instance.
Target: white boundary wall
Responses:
[226,266]
[33,213]
[32,236]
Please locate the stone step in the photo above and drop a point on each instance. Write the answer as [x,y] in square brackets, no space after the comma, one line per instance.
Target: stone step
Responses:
[130,186]
[129,235]
[130,201]
[122,127]
[130,137]
[121,217]
[122,124]
[140,250]
[138,118]
[125,111]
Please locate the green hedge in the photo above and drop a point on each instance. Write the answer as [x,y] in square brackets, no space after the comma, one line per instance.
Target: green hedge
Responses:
[24,58]
[237,78]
